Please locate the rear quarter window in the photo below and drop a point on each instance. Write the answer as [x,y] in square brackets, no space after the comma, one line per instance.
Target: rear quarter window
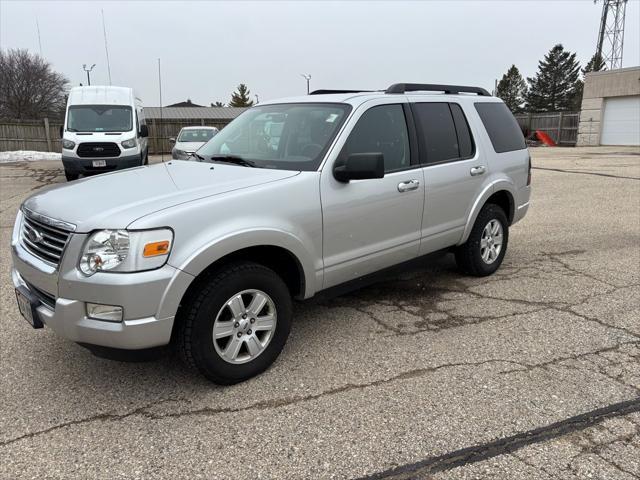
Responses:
[501,126]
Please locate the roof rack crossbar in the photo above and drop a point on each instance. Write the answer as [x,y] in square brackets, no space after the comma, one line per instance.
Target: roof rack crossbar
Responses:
[428,87]
[328,92]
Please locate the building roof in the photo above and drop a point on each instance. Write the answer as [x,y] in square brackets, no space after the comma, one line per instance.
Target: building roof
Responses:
[188,103]
[193,113]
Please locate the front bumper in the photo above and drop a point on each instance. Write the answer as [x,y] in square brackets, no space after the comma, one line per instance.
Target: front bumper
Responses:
[149,299]
[69,320]
[85,166]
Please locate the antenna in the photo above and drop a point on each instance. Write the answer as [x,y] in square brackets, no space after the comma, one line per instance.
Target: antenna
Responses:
[39,40]
[611,34]
[307,77]
[161,126]
[106,48]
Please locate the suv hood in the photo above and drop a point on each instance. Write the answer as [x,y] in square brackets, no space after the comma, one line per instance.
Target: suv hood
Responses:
[114,200]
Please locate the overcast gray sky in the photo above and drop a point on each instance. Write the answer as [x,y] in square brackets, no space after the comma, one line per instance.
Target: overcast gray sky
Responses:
[208,48]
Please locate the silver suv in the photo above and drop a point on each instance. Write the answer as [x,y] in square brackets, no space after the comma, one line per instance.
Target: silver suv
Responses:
[292,198]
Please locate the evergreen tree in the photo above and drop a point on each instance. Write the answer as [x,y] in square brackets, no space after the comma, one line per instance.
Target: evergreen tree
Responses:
[512,89]
[241,97]
[556,85]
[596,64]
[217,104]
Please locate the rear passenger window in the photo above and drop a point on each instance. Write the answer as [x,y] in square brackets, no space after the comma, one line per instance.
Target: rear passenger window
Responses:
[502,127]
[465,140]
[381,129]
[440,142]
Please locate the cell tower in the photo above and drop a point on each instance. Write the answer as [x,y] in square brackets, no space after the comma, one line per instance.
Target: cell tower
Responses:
[611,36]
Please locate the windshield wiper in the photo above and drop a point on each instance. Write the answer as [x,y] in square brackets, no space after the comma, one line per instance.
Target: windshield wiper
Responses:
[234,159]
[199,157]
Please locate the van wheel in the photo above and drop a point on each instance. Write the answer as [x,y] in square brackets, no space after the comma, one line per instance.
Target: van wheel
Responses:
[71,176]
[484,250]
[236,323]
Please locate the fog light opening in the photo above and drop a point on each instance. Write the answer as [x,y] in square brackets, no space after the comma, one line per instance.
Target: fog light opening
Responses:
[109,313]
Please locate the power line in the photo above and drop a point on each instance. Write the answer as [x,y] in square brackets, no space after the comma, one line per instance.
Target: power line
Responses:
[106,48]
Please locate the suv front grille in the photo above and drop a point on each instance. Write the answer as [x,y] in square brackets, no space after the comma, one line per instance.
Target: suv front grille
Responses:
[44,241]
[98,149]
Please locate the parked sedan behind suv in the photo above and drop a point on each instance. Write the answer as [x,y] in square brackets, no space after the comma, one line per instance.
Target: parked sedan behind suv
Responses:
[292,198]
[189,140]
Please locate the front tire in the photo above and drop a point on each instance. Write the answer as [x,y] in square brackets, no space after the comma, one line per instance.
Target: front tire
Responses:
[70,175]
[484,250]
[236,322]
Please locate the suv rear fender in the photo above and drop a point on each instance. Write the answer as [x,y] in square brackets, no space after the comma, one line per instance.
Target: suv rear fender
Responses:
[494,186]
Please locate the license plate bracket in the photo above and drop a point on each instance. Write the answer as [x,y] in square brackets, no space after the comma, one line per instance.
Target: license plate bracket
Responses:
[28,305]
[99,163]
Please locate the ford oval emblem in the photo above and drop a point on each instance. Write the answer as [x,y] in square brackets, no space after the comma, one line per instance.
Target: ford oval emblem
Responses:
[34,236]
[98,149]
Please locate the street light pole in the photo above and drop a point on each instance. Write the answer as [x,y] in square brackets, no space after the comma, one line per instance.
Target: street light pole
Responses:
[88,70]
[307,77]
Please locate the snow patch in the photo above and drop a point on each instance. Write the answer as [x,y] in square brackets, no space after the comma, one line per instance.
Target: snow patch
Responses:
[28,156]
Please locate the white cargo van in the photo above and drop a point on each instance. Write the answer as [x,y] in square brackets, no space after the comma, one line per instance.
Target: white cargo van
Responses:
[104,130]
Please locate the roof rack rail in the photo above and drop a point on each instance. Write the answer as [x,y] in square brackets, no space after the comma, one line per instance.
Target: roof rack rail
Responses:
[428,87]
[328,92]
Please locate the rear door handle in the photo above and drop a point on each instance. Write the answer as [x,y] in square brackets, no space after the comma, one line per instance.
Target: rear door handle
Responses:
[408,185]
[478,170]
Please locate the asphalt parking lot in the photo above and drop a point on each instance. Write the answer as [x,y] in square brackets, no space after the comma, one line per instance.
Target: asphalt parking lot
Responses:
[531,373]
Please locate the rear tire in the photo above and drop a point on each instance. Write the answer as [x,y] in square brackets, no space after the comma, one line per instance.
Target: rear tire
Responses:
[484,250]
[246,343]
[71,176]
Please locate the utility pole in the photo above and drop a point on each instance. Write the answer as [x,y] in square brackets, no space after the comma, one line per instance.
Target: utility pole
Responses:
[611,34]
[88,70]
[307,77]
[257,98]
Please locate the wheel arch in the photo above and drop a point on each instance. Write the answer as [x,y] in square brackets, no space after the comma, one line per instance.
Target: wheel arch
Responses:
[499,192]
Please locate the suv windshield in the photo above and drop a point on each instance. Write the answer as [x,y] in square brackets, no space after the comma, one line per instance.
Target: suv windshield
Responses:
[196,135]
[99,118]
[289,136]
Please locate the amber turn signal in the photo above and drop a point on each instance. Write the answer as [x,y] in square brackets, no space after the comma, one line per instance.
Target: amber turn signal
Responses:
[154,249]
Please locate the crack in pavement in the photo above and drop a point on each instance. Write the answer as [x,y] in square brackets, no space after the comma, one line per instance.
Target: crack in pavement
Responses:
[507,445]
[283,402]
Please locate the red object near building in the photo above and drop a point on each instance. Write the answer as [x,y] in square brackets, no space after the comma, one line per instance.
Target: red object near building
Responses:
[544,138]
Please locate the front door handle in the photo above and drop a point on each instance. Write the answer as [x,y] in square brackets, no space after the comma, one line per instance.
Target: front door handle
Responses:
[408,185]
[478,170]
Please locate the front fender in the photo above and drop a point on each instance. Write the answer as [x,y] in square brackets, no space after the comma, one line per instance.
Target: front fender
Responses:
[491,188]
[202,258]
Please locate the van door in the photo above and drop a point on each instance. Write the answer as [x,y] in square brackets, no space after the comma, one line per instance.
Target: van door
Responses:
[375,223]
[454,170]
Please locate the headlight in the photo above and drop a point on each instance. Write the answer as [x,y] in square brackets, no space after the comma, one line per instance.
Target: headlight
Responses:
[68,144]
[129,143]
[180,153]
[126,251]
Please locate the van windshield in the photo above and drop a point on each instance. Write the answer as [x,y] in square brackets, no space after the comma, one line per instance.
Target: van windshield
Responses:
[99,118]
[290,136]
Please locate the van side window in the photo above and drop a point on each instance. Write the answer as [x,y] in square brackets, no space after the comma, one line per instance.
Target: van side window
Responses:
[381,129]
[502,127]
[465,139]
[439,138]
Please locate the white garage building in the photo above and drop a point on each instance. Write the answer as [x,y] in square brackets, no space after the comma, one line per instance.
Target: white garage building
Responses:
[611,108]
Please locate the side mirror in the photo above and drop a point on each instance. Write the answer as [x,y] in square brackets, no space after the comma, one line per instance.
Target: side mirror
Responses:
[172,140]
[144,131]
[61,131]
[360,166]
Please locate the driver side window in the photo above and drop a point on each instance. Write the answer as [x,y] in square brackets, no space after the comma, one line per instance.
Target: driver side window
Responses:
[381,129]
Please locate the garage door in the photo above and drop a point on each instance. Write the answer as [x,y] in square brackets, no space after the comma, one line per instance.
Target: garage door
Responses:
[621,121]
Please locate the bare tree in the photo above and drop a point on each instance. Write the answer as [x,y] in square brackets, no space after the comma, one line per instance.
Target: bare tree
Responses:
[29,87]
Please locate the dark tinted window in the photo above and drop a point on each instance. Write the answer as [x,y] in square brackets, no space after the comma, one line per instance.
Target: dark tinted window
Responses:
[381,129]
[440,142]
[465,140]
[503,130]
